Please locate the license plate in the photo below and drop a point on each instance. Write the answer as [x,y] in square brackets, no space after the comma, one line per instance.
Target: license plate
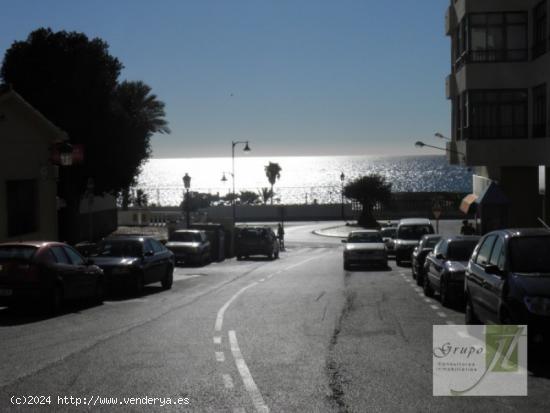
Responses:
[5,292]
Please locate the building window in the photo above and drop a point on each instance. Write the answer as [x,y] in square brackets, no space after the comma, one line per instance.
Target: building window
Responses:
[539,111]
[495,114]
[539,29]
[492,37]
[22,207]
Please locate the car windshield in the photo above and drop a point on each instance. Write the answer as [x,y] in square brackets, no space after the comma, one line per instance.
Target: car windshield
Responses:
[460,250]
[16,252]
[252,233]
[186,237]
[388,232]
[414,232]
[430,242]
[119,248]
[530,254]
[365,237]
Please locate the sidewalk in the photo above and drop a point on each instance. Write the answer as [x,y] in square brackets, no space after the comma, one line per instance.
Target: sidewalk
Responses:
[447,228]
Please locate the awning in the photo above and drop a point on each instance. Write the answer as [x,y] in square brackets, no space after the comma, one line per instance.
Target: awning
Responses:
[469,204]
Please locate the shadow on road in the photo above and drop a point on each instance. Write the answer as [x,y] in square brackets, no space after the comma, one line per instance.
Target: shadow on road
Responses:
[28,314]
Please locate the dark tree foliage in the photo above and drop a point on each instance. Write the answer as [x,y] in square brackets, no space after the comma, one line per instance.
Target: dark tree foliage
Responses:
[369,191]
[73,81]
[249,197]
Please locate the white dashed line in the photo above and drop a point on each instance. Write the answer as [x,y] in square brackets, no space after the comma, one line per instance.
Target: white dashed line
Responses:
[427,300]
[248,381]
[220,356]
[441,314]
[217,340]
[262,280]
[434,307]
[227,381]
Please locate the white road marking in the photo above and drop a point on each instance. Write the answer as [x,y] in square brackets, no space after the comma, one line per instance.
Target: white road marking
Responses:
[451,323]
[441,314]
[227,381]
[435,307]
[300,263]
[217,340]
[427,300]
[221,311]
[248,381]
[262,280]
[220,356]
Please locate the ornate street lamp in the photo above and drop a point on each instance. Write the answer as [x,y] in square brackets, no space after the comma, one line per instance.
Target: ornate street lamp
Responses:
[187,184]
[246,150]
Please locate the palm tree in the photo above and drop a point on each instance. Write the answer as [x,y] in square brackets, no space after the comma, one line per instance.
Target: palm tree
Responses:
[273,172]
[369,191]
[265,194]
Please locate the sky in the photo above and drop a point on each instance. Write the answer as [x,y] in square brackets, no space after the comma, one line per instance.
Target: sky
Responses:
[293,77]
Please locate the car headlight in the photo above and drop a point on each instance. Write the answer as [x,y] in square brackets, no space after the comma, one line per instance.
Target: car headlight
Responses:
[538,305]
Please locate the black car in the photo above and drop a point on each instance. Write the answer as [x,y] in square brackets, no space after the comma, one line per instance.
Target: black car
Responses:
[190,246]
[445,267]
[256,241]
[418,257]
[47,273]
[134,261]
[508,281]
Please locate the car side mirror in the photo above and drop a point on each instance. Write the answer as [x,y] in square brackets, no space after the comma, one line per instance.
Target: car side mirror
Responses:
[493,269]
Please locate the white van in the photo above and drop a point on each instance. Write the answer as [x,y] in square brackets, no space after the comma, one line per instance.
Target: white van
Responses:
[409,232]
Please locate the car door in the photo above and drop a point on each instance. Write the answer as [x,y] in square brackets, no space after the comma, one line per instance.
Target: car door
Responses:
[476,278]
[162,257]
[85,278]
[438,263]
[66,272]
[494,283]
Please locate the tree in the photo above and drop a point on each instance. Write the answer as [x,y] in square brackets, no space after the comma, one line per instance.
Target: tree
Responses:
[73,81]
[369,191]
[142,199]
[273,172]
[248,197]
[265,195]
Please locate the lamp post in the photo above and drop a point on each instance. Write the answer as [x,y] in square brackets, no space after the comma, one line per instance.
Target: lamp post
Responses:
[441,136]
[187,184]
[90,189]
[342,178]
[246,150]
[420,144]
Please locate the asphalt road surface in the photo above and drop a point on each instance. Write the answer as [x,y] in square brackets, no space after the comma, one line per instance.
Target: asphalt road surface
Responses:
[297,334]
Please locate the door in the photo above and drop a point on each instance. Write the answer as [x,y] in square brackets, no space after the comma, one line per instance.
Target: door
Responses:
[66,272]
[152,264]
[492,287]
[85,278]
[477,278]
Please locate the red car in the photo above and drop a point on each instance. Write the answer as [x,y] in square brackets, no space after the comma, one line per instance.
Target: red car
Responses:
[48,272]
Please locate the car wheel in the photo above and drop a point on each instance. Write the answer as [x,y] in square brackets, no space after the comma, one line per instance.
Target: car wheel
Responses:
[99,291]
[55,300]
[168,279]
[419,280]
[413,270]
[428,291]
[470,316]
[270,255]
[444,293]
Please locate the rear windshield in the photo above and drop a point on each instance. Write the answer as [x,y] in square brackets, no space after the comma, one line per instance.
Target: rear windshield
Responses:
[460,250]
[252,234]
[365,237]
[119,248]
[186,237]
[530,254]
[414,232]
[430,242]
[388,232]
[17,252]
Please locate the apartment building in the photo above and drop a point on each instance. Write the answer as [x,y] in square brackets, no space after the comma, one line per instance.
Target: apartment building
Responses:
[498,86]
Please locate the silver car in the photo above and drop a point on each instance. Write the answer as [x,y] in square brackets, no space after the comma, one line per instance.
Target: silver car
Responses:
[363,248]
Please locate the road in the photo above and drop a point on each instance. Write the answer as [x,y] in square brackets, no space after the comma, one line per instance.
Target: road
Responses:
[297,334]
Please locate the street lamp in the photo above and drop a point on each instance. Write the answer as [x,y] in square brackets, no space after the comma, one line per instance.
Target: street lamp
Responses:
[187,184]
[441,136]
[420,144]
[246,150]
[342,178]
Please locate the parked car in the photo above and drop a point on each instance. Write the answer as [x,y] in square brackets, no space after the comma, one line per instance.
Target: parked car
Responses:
[409,233]
[48,273]
[363,248]
[508,281]
[134,261]
[388,236]
[424,247]
[190,246]
[445,267]
[256,241]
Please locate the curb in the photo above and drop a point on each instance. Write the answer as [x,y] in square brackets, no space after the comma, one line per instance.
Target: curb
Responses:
[321,234]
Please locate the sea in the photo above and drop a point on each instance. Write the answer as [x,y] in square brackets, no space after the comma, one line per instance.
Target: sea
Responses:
[303,179]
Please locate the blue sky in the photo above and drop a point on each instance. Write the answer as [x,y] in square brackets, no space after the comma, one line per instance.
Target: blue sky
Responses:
[295,77]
